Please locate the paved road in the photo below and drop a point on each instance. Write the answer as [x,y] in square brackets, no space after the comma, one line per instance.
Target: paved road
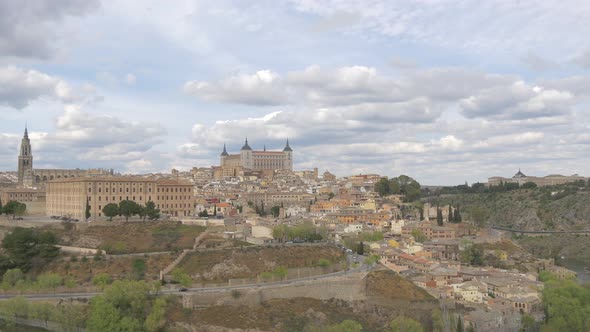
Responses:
[582,231]
[360,269]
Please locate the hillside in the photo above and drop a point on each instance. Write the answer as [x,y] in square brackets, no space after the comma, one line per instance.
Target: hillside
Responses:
[388,296]
[248,262]
[547,208]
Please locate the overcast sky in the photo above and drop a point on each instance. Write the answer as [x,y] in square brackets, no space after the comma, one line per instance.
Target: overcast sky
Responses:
[444,91]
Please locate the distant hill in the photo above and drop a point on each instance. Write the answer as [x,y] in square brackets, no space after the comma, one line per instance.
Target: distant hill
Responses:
[564,207]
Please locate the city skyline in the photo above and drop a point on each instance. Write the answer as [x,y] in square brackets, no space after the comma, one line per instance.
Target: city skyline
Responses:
[391,88]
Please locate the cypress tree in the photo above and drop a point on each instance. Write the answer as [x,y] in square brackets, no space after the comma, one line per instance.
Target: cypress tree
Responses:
[457,215]
[439,217]
[450,216]
[87,209]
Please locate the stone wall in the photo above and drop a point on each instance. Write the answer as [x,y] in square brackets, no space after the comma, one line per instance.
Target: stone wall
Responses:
[349,288]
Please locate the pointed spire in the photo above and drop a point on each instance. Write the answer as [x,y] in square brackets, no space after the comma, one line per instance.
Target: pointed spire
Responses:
[224,153]
[287,147]
[264,147]
[246,146]
[26,131]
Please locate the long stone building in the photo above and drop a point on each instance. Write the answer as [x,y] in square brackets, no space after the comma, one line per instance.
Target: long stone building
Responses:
[249,160]
[549,180]
[69,197]
[28,177]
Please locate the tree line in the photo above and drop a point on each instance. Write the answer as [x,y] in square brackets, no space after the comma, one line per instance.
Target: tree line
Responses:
[13,208]
[127,208]
[401,185]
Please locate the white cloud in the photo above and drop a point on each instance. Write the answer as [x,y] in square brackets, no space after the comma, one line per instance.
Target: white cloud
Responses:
[517,101]
[29,28]
[18,87]
[262,88]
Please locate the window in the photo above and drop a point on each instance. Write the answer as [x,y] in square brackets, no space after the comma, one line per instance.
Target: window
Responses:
[89,190]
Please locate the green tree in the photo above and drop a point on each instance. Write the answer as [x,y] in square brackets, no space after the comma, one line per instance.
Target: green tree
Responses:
[156,319]
[42,311]
[438,324]
[71,316]
[181,277]
[459,325]
[418,235]
[102,280]
[138,269]
[14,208]
[128,208]
[529,185]
[110,210]
[457,217]
[49,281]
[405,324]
[382,187]
[204,214]
[87,209]
[450,216]
[27,247]
[323,262]
[141,212]
[280,272]
[280,232]
[472,254]
[275,210]
[12,277]
[215,209]
[104,316]
[408,187]
[151,211]
[361,248]
[439,217]
[527,323]
[566,305]
[124,306]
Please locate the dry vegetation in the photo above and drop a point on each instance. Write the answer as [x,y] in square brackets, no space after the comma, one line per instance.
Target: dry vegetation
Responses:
[388,284]
[389,296]
[133,237]
[116,267]
[272,315]
[220,265]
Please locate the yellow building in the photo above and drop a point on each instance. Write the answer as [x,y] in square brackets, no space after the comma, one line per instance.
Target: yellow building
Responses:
[69,197]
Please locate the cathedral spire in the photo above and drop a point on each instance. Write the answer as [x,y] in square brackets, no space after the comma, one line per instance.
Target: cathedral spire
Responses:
[246,146]
[287,147]
[26,132]
[224,153]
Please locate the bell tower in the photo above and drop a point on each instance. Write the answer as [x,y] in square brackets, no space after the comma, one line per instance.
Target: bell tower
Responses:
[25,162]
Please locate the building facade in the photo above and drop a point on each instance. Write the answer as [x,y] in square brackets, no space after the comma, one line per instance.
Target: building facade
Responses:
[28,177]
[69,197]
[255,161]
[549,180]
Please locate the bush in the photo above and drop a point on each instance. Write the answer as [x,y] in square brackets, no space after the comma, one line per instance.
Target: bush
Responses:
[236,294]
[323,262]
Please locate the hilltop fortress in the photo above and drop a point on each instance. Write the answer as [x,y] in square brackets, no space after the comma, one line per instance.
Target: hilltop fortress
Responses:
[252,161]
